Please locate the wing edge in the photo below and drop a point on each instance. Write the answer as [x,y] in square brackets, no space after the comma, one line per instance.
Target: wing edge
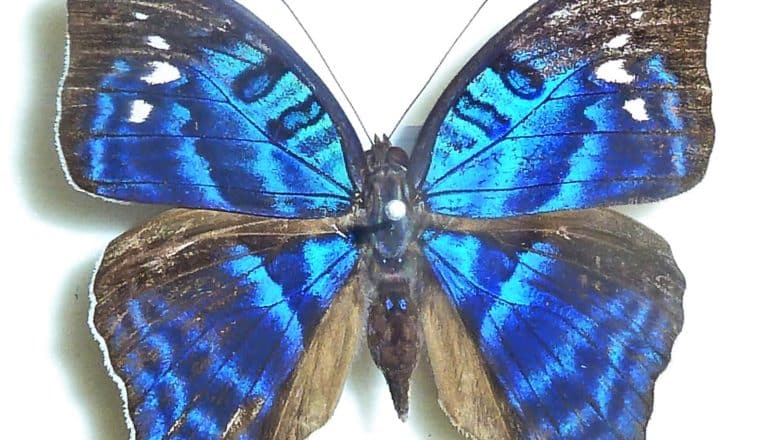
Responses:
[107,360]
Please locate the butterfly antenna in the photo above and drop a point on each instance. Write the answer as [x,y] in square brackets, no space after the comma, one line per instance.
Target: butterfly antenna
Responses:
[328,67]
[440,63]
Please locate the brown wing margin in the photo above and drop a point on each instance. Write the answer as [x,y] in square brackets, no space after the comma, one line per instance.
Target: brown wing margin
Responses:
[467,393]
[312,392]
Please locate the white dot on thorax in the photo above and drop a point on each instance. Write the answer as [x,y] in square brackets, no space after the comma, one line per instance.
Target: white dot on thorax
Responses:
[395,210]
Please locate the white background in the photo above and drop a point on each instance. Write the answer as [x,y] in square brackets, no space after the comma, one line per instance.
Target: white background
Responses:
[53,385]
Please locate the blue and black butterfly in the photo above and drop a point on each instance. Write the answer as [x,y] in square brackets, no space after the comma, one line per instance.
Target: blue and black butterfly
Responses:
[236,316]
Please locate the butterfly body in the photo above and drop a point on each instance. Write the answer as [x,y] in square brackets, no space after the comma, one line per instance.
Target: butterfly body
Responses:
[237,315]
[392,270]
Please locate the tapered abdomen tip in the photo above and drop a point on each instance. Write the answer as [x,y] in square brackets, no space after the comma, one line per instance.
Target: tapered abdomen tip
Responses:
[399,391]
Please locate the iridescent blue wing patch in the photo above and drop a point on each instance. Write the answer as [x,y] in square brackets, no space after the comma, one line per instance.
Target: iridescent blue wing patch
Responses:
[575,104]
[201,105]
[220,325]
[572,317]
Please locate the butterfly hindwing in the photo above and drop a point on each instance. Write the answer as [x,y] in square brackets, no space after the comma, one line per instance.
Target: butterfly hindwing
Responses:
[228,326]
[199,104]
[466,392]
[573,316]
[575,104]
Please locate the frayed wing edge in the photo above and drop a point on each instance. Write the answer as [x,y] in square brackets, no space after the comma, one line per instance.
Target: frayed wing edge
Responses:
[105,350]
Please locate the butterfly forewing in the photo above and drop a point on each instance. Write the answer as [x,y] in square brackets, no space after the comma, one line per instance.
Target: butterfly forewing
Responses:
[574,316]
[223,325]
[575,104]
[199,104]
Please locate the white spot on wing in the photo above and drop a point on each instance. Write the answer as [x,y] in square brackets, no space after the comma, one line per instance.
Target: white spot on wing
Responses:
[618,42]
[140,111]
[614,71]
[141,16]
[637,15]
[162,73]
[158,42]
[561,13]
[637,109]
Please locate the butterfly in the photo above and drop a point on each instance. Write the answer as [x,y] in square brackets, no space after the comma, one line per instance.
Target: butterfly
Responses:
[236,315]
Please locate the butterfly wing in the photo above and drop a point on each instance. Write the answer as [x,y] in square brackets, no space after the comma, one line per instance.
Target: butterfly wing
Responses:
[575,104]
[228,326]
[199,104]
[551,326]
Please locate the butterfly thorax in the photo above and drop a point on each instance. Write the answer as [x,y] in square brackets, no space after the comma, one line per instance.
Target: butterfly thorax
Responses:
[387,202]
[393,331]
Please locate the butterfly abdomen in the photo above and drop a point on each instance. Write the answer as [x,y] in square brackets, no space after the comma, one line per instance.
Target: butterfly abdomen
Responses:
[394,336]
